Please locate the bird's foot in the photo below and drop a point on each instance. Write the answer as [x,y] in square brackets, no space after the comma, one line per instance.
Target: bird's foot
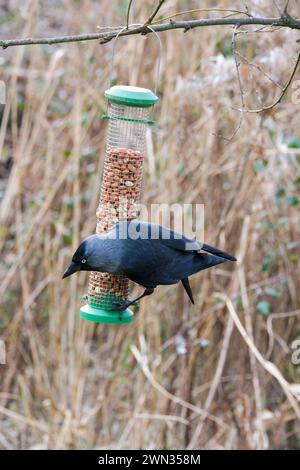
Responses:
[120,305]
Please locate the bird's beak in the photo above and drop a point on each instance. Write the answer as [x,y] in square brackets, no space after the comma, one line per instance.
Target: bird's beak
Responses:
[73,268]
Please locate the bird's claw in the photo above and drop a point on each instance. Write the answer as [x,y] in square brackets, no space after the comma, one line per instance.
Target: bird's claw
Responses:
[119,305]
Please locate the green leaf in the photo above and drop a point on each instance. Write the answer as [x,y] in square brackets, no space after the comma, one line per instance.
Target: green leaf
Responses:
[259,165]
[263,308]
[294,143]
[68,239]
[85,118]
[291,372]
[267,262]
[279,194]
[225,48]
[269,224]
[68,202]
[273,292]
[21,103]
[67,152]
[292,200]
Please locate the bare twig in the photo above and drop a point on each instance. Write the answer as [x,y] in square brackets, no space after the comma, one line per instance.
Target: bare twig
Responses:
[272,317]
[167,418]
[277,7]
[175,399]
[287,22]
[241,110]
[260,435]
[237,66]
[215,382]
[262,29]
[128,14]
[153,15]
[260,69]
[267,365]
[286,6]
[283,92]
[201,10]
[23,419]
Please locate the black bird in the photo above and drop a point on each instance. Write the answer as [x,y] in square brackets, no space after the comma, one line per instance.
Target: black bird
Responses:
[148,254]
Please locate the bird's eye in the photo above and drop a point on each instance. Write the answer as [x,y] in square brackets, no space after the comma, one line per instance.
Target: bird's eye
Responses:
[83,260]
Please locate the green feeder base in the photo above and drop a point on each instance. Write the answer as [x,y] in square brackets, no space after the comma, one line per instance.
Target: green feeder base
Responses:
[99,315]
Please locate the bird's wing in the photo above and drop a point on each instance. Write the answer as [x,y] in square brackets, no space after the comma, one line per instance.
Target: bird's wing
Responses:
[184,265]
[151,262]
[135,229]
[180,242]
[217,252]
[168,237]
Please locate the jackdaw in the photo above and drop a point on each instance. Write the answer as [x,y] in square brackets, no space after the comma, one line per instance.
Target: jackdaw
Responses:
[148,254]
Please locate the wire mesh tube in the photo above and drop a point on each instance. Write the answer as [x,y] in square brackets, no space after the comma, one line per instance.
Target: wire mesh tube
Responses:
[120,191]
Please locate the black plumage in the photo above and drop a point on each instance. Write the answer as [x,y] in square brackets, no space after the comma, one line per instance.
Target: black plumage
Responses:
[148,254]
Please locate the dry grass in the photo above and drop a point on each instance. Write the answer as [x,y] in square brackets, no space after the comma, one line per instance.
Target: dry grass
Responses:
[214,375]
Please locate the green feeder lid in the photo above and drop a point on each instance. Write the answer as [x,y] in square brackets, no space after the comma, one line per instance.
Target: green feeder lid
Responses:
[131,96]
[99,315]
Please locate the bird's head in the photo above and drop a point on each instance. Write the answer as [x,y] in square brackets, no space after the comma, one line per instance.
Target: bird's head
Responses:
[83,258]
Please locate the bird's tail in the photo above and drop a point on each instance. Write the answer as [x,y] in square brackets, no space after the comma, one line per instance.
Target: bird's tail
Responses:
[187,287]
[217,252]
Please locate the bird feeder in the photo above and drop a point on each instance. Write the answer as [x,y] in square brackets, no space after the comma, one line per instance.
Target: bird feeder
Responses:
[128,115]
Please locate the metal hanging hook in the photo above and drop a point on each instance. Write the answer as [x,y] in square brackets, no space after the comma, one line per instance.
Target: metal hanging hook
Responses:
[158,59]
[158,67]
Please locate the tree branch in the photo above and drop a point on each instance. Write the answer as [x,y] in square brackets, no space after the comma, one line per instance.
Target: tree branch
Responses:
[285,21]
[237,67]
[128,13]
[231,11]
[286,6]
[153,15]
